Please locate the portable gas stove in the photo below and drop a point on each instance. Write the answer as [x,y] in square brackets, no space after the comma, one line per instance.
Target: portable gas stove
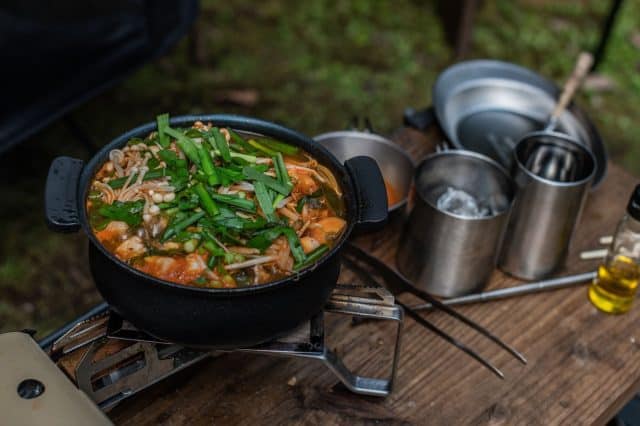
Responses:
[109,360]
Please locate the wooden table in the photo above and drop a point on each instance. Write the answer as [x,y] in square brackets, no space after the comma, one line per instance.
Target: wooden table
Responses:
[583,365]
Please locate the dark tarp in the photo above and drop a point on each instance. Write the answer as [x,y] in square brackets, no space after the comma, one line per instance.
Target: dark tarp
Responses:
[56,55]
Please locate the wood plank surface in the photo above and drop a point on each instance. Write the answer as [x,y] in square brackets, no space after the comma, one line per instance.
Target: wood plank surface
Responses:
[583,365]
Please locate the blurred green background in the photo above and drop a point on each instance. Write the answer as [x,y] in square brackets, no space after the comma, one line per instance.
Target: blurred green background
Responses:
[311,66]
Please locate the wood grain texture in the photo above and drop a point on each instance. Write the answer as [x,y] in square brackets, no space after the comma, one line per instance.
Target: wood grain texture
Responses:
[583,365]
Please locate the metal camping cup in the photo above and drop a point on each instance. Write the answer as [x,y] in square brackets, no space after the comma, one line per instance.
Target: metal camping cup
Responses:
[449,254]
[548,203]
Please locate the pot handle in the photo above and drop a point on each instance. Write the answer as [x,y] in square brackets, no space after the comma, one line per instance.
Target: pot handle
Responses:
[61,194]
[421,119]
[371,195]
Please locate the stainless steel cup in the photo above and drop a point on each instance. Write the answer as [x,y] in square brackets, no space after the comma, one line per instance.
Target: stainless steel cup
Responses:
[447,254]
[545,211]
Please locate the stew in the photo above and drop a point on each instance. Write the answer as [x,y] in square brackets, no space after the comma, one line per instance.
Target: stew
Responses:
[210,207]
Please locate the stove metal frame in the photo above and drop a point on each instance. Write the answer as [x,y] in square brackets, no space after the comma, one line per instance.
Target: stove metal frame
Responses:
[119,375]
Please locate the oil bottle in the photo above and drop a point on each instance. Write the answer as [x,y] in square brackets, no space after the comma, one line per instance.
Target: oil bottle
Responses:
[615,286]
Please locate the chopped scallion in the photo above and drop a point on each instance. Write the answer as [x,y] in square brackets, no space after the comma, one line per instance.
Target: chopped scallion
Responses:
[294,244]
[281,170]
[182,224]
[236,138]
[186,144]
[221,144]
[301,204]
[271,183]
[163,123]
[264,201]
[206,202]
[153,174]
[280,146]
[277,200]
[236,201]
[264,149]
[205,160]
[311,257]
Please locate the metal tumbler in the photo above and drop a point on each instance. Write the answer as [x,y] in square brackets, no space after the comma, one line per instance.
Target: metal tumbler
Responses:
[449,254]
[553,174]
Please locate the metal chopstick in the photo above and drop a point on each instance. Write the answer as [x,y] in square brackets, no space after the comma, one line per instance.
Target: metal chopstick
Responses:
[393,277]
[503,293]
[364,275]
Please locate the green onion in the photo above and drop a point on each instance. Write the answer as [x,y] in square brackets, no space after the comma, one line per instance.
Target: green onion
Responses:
[129,212]
[184,236]
[190,245]
[264,201]
[185,143]
[233,258]
[182,224]
[294,244]
[227,237]
[213,180]
[205,160]
[253,174]
[221,144]
[240,141]
[263,239]
[228,175]
[213,248]
[280,146]
[187,200]
[277,200]
[301,204]
[311,257]
[236,201]
[246,157]
[235,222]
[168,156]
[166,205]
[206,201]
[163,124]
[264,149]
[182,167]
[193,133]
[153,163]
[152,174]
[281,170]
[209,180]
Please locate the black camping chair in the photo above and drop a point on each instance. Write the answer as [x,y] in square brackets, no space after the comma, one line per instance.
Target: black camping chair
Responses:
[56,55]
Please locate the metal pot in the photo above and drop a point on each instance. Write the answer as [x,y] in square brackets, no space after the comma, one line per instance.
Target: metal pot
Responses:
[208,317]
[394,162]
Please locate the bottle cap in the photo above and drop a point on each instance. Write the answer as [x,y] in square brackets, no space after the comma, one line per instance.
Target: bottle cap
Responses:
[633,208]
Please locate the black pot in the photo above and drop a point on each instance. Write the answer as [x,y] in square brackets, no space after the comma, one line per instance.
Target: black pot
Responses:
[216,318]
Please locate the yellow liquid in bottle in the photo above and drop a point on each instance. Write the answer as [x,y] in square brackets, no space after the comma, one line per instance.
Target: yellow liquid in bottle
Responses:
[615,287]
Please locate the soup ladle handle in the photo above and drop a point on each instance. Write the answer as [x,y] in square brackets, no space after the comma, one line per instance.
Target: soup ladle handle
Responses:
[580,71]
